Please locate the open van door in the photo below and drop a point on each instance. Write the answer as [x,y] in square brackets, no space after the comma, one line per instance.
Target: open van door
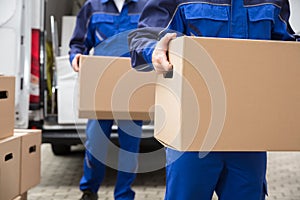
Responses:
[15,40]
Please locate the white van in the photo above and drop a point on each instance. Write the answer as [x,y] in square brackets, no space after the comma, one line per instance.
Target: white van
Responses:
[41,100]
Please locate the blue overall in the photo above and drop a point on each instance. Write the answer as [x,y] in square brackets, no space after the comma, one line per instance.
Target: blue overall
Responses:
[100,26]
[232,175]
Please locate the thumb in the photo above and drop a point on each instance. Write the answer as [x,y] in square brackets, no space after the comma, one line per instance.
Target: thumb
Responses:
[75,62]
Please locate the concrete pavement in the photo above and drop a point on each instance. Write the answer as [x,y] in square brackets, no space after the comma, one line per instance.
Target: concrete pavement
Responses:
[61,175]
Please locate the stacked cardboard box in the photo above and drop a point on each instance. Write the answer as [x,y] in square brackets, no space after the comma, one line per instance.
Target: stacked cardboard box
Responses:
[30,170]
[19,149]
[10,167]
[7,104]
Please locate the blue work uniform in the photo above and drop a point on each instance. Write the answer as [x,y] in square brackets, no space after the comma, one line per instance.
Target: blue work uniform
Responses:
[100,25]
[232,175]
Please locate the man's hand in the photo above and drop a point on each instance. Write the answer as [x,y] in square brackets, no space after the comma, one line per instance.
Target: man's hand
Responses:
[75,62]
[159,57]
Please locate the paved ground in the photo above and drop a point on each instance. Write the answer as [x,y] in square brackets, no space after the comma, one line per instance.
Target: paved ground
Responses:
[61,174]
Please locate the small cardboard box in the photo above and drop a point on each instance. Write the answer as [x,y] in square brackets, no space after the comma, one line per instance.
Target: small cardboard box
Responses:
[9,167]
[110,89]
[7,106]
[30,173]
[230,95]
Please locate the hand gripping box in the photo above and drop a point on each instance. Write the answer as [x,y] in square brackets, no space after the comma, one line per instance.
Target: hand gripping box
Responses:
[230,95]
[9,167]
[7,106]
[30,168]
[109,88]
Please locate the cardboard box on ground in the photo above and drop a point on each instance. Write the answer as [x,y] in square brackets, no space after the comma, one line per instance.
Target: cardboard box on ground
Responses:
[230,95]
[10,162]
[109,88]
[30,174]
[20,164]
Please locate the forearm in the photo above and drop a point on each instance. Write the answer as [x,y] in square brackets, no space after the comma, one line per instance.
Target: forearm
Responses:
[81,41]
[142,43]
[153,24]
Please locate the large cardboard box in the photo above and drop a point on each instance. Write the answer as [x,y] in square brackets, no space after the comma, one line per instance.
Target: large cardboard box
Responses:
[7,106]
[67,92]
[110,89]
[9,167]
[230,95]
[30,168]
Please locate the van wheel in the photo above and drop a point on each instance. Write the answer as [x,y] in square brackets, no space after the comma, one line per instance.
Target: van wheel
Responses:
[61,149]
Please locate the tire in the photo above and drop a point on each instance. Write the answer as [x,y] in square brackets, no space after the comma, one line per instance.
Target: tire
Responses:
[61,149]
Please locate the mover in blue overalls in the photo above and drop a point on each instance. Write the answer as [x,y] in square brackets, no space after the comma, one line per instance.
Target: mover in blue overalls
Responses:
[97,23]
[232,175]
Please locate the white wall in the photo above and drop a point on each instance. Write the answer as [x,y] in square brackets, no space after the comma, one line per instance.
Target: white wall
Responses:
[295,15]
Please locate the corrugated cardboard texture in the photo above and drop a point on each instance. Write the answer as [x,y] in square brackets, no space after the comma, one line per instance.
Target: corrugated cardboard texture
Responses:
[7,106]
[30,174]
[230,95]
[9,167]
[110,89]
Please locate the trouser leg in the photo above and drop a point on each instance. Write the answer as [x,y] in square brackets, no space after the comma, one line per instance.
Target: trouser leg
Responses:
[189,177]
[97,138]
[243,176]
[93,173]
[129,138]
